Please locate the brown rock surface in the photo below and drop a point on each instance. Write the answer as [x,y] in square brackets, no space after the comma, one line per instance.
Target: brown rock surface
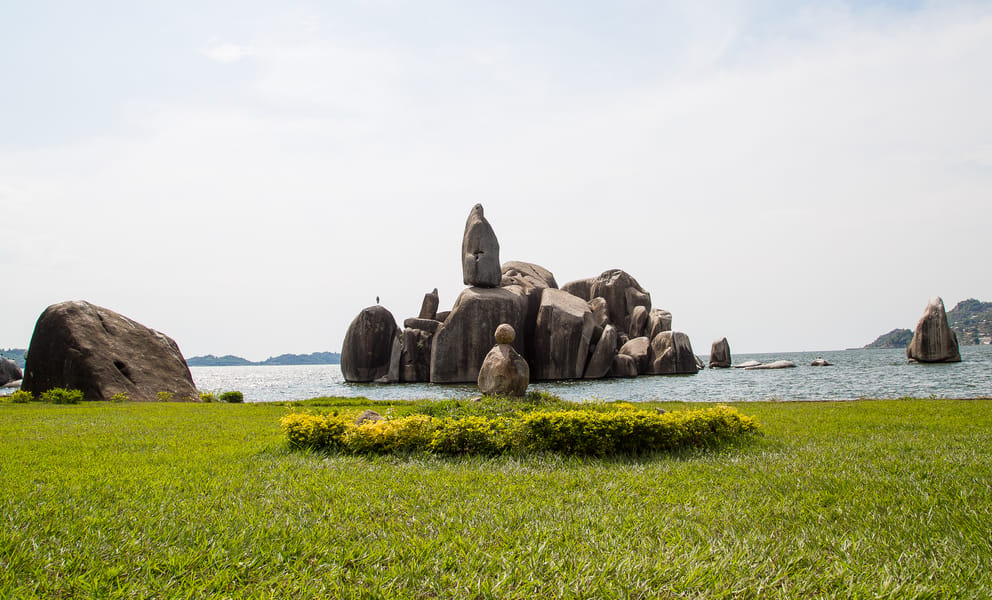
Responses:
[480,251]
[934,341]
[369,345]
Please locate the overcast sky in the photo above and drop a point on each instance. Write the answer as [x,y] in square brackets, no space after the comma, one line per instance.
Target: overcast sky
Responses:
[247,176]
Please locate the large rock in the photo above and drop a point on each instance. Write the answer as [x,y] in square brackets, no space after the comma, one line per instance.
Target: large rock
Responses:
[671,354]
[560,345]
[370,344]
[480,252]
[415,358]
[720,354]
[527,275]
[659,320]
[580,287]
[78,345]
[9,371]
[428,325]
[638,349]
[623,366]
[428,308]
[622,293]
[504,372]
[463,340]
[638,322]
[602,356]
[934,341]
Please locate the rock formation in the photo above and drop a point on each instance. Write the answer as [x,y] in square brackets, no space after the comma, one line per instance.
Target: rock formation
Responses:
[933,341]
[428,309]
[480,251]
[504,372]
[720,354]
[78,345]
[638,349]
[622,293]
[9,371]
[671,354]
[371,350]
[563,332]
[820,362]
[603,354]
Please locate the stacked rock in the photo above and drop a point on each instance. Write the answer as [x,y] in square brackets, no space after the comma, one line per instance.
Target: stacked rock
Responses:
[590,328]
[504,372]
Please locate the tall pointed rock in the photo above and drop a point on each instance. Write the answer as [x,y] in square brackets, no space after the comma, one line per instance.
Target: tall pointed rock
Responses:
[480,252]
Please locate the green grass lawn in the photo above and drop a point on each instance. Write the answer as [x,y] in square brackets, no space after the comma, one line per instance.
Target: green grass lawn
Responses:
[889,499]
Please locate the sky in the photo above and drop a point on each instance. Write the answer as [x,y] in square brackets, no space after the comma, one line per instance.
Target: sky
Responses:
[247,176]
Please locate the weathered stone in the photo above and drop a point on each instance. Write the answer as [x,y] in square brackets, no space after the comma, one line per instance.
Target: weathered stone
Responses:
[369,416]
[820,362]
[700,365]
[602,356]
[720,354]
[658,320]
[9,371]
[560,345]
[504,372]
[527,275]
[600,313]
[428,309]
[746,364]
[428,325]
[415,360]
[442,315]
[639,349]
[580,287]
[778,364]
[638,322]
[934,341]
[480,252]
[461,343]
[369,344]
[623,366]
[78,345]
[613,286]
[671,354]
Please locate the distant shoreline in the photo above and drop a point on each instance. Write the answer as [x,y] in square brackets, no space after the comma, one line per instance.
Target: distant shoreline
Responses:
[229,360]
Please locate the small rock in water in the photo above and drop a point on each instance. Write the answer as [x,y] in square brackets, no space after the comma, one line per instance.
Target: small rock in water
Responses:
[778,364]
[747,364]
[820,362]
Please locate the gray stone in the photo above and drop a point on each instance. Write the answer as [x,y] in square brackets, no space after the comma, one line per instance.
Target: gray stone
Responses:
[638,322]
[527,275]
[560,344]
[442,316]
[415,360]
[623,366]
[934,341]
[461,343]
[658,320]
[369,344]
[369,416]
[700,365]
[504,372]
[602,357]
[428,309]
[580,287]
[746,364]
[392,374]
[671,354]
[78,345]
[480,252]
[639,349]
[9,371]
[720,354]
[613,286]
[778,364]
[428,325]
[820,362]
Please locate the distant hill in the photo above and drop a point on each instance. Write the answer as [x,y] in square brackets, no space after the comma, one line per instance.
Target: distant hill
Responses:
[228,360]
[897,338]
[971,320]
[14,354]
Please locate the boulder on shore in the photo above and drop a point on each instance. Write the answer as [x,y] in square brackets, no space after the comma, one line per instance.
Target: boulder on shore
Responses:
[369,345]
[601,360]
[504,372]
[720,354]
[78,345]
[480,251]
[934,341]
[560,344]
[463,340]
[9,371]
[622,293]
[638,349]
[671,354]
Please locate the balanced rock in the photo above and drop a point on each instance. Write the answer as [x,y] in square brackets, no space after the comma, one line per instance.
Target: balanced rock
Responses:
[371,350]
[461,343]
[603,354]
[9,371]
[428,309]
[720,354]
[639,349]
[934,341]
[504,372]
[622,293]
[480,251]
[78,345]
[671,354]
[563,332]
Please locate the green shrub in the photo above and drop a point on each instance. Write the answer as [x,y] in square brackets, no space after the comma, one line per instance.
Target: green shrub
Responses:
[208,397]
[594,432]
[62,396]
[120,397]
[20,397]
[233,396]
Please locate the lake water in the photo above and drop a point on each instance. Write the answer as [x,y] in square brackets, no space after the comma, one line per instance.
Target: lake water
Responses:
[854,374]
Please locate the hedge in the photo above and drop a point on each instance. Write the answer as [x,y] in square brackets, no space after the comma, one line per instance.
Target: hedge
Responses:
[582,432]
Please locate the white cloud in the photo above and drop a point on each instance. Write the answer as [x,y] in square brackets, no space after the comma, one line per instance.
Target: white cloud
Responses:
[228,53]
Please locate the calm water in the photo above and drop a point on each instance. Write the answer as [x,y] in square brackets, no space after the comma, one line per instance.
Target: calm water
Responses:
[855,374]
